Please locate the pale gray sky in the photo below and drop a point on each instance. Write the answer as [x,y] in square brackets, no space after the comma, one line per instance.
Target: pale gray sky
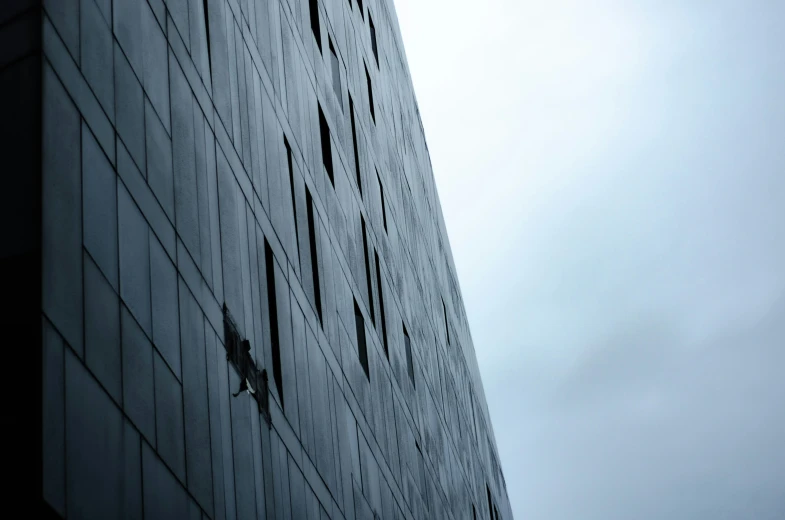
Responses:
[612,175]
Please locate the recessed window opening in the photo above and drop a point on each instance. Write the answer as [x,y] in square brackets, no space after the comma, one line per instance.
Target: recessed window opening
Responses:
[373,40]
[409,361]
[291,186]
[368,271]
[317,294]
[273,313]
[490,502]
[207,35]
[474,418]
[381,304]
[446,326]
[336,72]
[359,325]
[356,151]
[370,93]
[327,154]
[381,196]
[315,27]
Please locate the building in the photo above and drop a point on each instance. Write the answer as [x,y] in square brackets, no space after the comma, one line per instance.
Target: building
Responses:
[232,255]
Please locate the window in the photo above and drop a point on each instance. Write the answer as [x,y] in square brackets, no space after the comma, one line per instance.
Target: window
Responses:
[373,40]
[207,36]
[317,295]
[474,418]
[291,186]
[336,70]
[315,27]
[446,326]
[362,10]
[381,196]
[490,502]
[370,93]
[273,313]
[368,271]
[409,361]
[420,464]
[356,152]
[362,348]
[381,305]
[474,513]
[327,154]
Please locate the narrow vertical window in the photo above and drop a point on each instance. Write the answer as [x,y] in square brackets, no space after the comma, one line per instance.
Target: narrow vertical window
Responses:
[315,27]
[490,502]
[381,196]
[327,154]
[420,464]
[291,187]
[474,513]
[207,35]
[370,93]
[446,326]
[373,40]
[362,10]
[359,325]
[273,313]
[336,71]
[409,361]
[368,270]
[474,418]
[354,144]
[381,304]
[317,294]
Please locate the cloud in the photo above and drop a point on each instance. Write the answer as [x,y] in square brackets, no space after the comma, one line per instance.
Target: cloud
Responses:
[647,427]
[611,175]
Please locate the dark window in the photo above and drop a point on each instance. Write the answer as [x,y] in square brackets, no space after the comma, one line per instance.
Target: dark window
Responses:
[368,271]
[409,361]
[420,465]
[490,502]
[446,326]
[327,154]
[317,294]
[207,35]
[315,27]
[336,74]
[362,10]
[381,305]
[291,185]
[474,418]
[381,196]
[362,348]
[474,513]
[373,40]
[370,93]
[273,312]
[354,144]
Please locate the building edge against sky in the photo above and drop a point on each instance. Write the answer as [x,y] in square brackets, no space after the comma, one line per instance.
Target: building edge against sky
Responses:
[245,298]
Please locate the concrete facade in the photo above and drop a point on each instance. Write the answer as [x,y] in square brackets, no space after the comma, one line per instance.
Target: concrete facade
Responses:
[236,194]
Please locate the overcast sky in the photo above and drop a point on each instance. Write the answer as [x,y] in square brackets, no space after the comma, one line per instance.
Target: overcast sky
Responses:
[612,175]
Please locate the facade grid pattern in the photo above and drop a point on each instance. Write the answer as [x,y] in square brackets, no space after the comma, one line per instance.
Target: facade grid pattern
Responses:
[204,157]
